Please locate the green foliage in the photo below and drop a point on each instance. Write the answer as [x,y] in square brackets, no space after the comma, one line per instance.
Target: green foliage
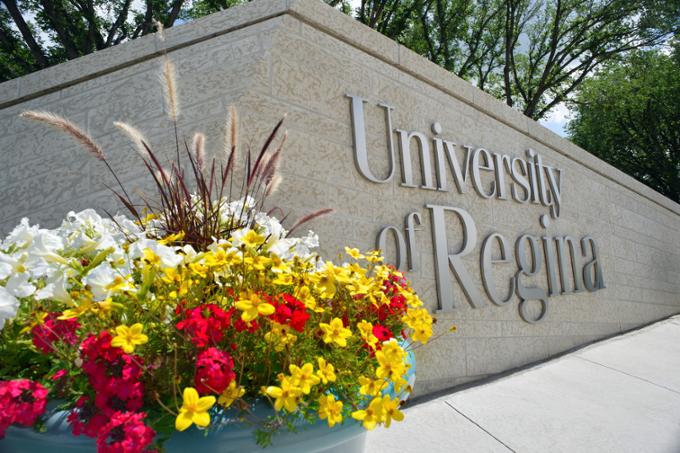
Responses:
[628,115]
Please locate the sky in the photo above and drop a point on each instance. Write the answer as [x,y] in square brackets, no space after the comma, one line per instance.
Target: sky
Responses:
[557,120]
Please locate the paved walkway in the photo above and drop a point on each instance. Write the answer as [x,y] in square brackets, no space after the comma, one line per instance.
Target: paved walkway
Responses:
[617,396]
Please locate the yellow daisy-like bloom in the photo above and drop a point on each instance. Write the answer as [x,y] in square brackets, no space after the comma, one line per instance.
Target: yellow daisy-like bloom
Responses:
[371,387]
[391,410]
[286,396]
[129,337]
[253,306]
[194,410]
[330,409]
[172,238]
[304,377]
[326,371]
[252,239]
[372,415]
[231,394]
[420,321]
[366,331]
[354,253]
[335,332]
[151,258]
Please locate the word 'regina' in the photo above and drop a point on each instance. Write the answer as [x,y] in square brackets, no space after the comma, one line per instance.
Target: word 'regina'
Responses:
[569,268]
[530,180]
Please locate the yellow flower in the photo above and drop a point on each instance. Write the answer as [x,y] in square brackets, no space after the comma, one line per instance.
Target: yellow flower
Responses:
[231,394]
[172,238]
[252,306]
[335,332]
[391,361]
[252,239]
[304,377]
[280,336]
[38,319]
[420,321]
[304,294]
[194,410]
[285,396]
[391,410]
[199,269]
[354,253]
[283,279]
[151,258]
[326,371]
[371,387]
[129,337]
[366,331]
[76,312]
[374,256]
[372,415]
[330,409]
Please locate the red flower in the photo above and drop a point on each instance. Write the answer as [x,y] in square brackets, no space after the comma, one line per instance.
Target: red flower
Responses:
[206,324]
[125,433]
[52,330]
[382,333]
[86,418]
[241,325]
[21,401]
[290,311]
[214,371]
[114,375]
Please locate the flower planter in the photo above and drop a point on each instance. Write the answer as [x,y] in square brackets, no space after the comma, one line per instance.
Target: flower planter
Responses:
[227,436]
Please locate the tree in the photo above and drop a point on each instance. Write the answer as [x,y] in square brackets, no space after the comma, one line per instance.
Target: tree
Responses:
[35,34]
[532,54]
[629,115]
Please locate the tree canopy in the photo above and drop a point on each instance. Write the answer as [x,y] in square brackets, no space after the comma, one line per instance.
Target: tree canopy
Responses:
[629,115]
[532,54]
[35,34]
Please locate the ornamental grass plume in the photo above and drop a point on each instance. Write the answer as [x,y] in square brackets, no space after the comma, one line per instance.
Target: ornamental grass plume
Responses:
[200,305]
[70,128]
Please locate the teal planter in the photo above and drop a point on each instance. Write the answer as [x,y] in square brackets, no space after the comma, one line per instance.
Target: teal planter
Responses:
[229,436]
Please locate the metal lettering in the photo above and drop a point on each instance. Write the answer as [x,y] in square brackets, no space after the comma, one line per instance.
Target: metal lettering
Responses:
[359,134]
[405,138]
[487,165]
[381,244]
[527,293]
[412,220]
[487,261]
[562,243]
[592,268]
[443,259]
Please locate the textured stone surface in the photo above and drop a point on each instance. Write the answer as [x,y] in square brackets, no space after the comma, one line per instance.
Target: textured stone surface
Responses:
[300,57]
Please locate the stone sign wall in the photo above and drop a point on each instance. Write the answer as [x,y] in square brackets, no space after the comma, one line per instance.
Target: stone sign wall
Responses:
[527,243]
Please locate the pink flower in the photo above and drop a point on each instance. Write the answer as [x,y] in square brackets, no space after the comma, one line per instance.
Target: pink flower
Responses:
[214,371]
[125,433]
[53,329]
[86,418]
[206,324]
[21,401]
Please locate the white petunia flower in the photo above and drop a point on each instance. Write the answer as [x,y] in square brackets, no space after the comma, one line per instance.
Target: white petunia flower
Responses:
[8,306]
[168,255]
[104,280]
[21,236]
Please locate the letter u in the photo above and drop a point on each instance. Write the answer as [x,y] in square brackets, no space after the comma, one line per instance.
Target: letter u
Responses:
[359,132]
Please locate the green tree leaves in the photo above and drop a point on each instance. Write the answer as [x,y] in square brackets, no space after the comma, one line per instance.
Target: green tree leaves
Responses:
[629,115]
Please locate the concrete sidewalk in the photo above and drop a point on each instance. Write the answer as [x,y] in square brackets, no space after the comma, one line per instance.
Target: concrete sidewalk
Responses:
[619,395]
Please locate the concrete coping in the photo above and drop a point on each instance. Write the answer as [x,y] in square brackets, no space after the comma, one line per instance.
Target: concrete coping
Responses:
[330,21]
